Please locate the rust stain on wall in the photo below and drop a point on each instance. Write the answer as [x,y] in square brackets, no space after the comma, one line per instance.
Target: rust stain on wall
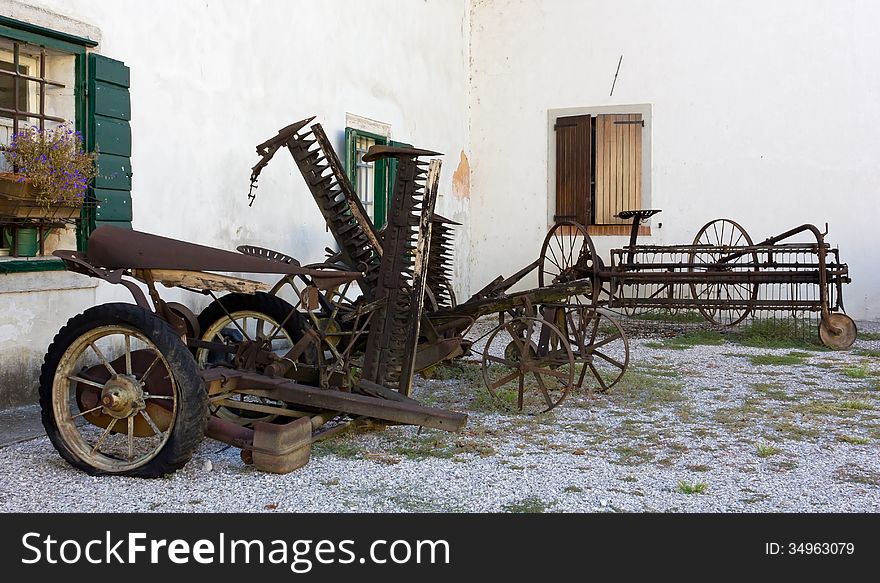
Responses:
[461,179]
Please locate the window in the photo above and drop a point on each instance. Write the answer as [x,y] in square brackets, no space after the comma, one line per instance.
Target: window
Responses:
[372,181]
[599,166]
[47,77]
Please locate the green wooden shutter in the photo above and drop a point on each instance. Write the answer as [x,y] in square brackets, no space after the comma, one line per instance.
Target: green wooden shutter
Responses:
[110,135]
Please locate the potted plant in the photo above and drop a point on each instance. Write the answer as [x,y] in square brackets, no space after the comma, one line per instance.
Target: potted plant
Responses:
[51,174]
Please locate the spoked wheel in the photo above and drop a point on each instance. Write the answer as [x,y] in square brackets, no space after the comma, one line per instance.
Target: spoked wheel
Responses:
[120,394]
[598,343]
[568,255]
[260,318]
[527,365]
[723,302]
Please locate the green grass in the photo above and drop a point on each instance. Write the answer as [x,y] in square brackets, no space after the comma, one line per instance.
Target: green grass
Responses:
[697,488]
[857,372]
[573,489]
[856,405]
[870,336]
[341,447]
[778,334]
[772,391]
[683,316]
[873,353]
[790,359]
[689,340]
[699,468]
[645,391]
[764,450]
[854,440]
[529,505]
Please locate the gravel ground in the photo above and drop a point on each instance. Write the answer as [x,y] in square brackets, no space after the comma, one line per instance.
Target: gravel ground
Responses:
[703,428]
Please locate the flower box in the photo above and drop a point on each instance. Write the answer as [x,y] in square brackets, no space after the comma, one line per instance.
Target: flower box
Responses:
[18,199]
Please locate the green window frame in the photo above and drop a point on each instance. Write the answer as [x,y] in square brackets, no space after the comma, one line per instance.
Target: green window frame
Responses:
[102,109]
[384,171]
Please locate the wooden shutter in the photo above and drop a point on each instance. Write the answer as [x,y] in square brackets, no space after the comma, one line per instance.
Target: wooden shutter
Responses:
[109,105]
[618,166]
[573,161]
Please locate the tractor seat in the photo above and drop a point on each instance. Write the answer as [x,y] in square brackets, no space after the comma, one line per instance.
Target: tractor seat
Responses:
[377,152]
[642,214]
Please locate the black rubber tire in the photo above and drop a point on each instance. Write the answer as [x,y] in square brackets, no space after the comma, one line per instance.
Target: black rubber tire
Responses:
[260,302]
[192,405]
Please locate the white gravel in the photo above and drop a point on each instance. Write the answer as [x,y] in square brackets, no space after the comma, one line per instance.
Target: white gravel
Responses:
[681,419]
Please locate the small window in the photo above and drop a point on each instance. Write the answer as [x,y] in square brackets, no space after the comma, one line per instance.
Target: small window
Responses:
[36,89]
[372,181]
[599,168]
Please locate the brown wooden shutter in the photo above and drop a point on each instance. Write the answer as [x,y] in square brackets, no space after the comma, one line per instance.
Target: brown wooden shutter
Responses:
[618,166]
[573,160]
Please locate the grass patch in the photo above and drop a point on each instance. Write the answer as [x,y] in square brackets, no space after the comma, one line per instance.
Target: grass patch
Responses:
[679,316]
[628,455]
[697,488]
[340,447]
[693,338]
[741,416]
[458,370]
[796,432]
[699,468]
[764,450]
[856,405]
[856,372]
[790,359]
[778,334]
[853,440]
[870,336]
[573,489]
[529,505]
[772,391]
[438,446]
[647,392]
[856,474]
[870,352]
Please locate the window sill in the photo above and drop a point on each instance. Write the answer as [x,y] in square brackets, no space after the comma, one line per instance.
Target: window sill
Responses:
[599,230]
[605,230]
[14,265]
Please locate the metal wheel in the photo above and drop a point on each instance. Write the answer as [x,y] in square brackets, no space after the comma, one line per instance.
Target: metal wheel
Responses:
[723,302]
[120,394]
[237,318]
[567,255]
[527,365]
[838,331]
[598,343]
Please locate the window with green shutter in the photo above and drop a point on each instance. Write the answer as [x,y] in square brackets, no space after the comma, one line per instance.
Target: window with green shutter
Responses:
[49,77]
[372,181]
[109,106]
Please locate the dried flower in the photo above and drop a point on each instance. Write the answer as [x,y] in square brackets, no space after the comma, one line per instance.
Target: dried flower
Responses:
[54,162]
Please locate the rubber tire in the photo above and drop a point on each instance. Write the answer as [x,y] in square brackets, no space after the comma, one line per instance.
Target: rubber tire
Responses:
[192,405]
[260,302]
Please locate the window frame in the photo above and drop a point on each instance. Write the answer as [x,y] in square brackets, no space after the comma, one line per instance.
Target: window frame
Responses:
[645,109]
[24,32]
[384,170]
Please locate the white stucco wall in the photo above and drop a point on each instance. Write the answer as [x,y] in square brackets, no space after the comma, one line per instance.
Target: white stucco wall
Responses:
[210,80]
[764,112]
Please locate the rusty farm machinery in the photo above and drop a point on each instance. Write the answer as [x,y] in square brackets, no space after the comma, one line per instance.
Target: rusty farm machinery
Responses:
[131,389]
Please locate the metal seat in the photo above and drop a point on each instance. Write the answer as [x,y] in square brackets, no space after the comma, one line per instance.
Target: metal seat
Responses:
[642,214]
[377,152]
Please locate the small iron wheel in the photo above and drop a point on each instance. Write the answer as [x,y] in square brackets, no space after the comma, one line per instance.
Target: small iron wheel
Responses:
[236,318]
[838,331]
[527,366]
[724,303]
[120,394]
[599,346]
